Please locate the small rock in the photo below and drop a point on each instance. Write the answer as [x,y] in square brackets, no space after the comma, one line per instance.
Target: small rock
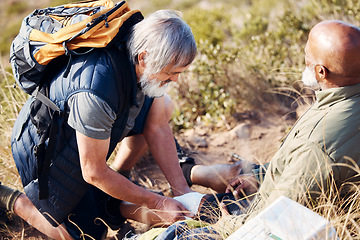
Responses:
[241,131]
[198,142]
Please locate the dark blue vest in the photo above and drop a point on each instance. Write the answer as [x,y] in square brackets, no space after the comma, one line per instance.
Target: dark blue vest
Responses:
[93,72]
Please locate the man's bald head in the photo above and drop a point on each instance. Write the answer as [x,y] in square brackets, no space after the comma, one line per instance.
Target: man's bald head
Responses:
[333,49]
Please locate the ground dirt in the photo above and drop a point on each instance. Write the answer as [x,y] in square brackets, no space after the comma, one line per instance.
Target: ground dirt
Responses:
[254,136]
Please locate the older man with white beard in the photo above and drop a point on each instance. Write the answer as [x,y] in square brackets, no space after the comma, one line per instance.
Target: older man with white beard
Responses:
[106,104]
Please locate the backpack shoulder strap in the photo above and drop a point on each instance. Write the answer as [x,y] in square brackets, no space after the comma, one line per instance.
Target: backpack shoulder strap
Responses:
[45,100]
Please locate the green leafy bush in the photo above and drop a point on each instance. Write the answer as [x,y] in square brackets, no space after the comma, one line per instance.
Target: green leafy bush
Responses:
[254,25]
[206,88]
[208,25]
[276,56]
[238,72]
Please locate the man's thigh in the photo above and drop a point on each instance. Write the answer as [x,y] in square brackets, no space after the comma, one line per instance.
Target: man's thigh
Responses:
[93,214]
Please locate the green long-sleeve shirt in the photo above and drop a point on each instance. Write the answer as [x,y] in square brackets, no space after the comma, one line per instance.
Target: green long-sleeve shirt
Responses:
[323,146]
[321,151]
[316,150]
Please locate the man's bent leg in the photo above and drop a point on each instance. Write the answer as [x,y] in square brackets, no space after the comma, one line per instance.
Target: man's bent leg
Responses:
[215,176]
[130,150]
[93,215]
[27,211]
[17,202]
[135,146]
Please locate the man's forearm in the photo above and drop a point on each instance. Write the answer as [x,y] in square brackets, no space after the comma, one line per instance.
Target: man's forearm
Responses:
[162,147]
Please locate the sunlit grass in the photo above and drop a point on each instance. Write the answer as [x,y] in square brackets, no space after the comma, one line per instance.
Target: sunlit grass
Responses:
[12,100]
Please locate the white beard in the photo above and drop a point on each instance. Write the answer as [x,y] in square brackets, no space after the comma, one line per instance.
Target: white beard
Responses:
[152,88]
[308,78]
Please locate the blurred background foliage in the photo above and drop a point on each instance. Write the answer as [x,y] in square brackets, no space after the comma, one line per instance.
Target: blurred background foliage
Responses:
[250,52]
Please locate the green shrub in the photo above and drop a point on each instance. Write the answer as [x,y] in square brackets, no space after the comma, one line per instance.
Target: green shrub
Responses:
[347,10]
[208,25]
[254,26]
[204,91]
[274,56]
[226,78]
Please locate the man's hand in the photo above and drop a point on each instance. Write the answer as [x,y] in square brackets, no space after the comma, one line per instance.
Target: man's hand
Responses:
[170,211]
[245,185]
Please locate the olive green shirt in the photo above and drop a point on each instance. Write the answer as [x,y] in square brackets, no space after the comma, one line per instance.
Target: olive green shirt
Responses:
[319,149]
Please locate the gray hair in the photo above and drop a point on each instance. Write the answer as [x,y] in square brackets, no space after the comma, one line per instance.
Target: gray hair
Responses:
[165,37]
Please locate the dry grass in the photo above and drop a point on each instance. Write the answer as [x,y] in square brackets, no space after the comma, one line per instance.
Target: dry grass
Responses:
[343,214]
[340,205]
[11,101]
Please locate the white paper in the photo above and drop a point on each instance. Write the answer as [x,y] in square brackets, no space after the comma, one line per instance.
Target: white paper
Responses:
[191,201]
[286,219]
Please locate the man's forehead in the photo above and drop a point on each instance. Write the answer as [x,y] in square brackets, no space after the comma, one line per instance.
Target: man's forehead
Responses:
[307,52]
[311,48]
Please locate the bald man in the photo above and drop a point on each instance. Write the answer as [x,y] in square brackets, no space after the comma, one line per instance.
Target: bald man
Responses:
[321,152]
[322,148]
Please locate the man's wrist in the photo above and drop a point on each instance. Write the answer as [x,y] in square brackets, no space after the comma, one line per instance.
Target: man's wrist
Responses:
[180,191]
[152,200]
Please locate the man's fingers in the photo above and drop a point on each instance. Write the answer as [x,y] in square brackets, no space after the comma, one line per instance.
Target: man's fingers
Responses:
[235,182]
[185,212]
[233,185]
[171,211]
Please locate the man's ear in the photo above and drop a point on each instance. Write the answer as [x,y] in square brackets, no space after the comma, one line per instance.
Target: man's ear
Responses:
[321,72]
[141,59]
